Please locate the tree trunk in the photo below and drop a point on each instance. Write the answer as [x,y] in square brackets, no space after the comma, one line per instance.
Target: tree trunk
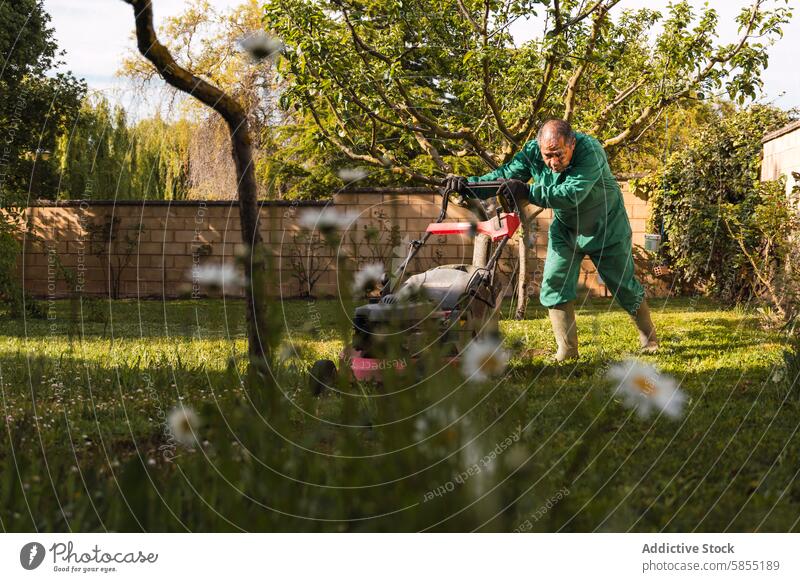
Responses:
[481,246]
[480,250]
[528,213]
[236,118]
[522,278]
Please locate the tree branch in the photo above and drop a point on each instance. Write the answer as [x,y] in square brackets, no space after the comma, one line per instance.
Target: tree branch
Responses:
[242,151]
[381,159]
[469,18]
[409,105]
[572,84]
[528,122]
[602,119]
[621,138]
[487,88]
[559,28]
[431,150]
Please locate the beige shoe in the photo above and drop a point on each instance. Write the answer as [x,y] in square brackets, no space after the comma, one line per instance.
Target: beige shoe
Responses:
[647,331]
[562,318]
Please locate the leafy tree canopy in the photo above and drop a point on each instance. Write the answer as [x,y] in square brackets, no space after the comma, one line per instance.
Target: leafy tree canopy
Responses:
[420,88]
[37,105]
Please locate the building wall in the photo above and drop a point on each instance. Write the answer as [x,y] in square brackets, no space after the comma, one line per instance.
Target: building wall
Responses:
[782,156]
[156,244]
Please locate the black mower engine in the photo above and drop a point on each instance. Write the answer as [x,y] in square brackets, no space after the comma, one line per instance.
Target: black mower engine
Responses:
[449,304]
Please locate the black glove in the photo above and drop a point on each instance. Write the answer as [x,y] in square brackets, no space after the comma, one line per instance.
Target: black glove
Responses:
[455,184]
[517,189]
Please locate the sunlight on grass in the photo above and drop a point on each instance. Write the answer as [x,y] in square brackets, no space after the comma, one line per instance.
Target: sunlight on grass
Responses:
[95,396]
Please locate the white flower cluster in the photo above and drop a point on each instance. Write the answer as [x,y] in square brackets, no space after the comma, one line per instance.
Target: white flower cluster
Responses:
[183,424]
[326,220]
[222,276]
[483,359]
[645,389]
[368,278]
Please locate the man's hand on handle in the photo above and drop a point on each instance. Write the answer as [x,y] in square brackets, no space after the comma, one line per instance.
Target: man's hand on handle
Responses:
[518,190]
[455,184]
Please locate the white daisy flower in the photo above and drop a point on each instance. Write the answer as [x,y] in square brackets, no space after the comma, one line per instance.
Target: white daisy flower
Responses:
[367,278]
[482,359]
[421,428]
[352,174]
[259,45]
[326,220]
[183,424]
[644,389]
[218,276]
[409,291]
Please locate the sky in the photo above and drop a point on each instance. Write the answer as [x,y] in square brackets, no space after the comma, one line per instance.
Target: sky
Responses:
[97,33]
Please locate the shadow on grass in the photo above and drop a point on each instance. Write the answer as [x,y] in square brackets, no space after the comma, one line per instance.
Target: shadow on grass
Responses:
[728,463]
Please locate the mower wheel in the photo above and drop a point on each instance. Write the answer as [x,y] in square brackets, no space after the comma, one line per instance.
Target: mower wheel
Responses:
[322,376]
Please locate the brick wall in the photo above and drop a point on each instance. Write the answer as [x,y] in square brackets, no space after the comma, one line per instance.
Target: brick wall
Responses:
[156,244]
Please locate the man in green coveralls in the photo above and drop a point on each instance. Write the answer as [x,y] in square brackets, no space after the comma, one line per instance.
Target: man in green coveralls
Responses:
[571,175]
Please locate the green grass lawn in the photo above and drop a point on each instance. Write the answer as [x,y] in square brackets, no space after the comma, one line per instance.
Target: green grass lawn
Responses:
[85,397]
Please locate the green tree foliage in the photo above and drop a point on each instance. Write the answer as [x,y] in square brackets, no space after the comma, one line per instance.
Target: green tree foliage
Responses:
[35,106]
[422,88]
[160,159]
[206,41]
[725,231]
[103,157]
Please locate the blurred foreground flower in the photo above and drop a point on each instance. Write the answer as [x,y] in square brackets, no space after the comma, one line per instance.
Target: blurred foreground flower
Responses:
[410,292]
[352,174]
[644,389]
[483,359]
[183,423]
[218,276]
[367,278]
[326,220]
[259,45]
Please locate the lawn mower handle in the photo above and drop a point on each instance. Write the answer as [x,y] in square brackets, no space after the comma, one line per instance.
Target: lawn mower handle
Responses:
[497,188]
[502,194]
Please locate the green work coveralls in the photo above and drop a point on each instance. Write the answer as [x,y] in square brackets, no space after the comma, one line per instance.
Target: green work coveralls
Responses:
[589,219]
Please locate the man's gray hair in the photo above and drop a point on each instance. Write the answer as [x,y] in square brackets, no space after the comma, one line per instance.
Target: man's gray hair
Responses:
[557,128]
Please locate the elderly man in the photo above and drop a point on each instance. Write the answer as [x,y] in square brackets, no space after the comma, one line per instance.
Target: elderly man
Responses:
[571,175]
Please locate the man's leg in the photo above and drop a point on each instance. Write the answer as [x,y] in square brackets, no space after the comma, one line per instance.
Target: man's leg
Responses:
[559,281]
[615,265]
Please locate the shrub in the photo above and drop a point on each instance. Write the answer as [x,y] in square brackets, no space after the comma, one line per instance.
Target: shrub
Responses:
[724,231]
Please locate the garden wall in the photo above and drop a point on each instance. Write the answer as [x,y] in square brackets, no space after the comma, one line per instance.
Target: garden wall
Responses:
[782,154]
[154,245]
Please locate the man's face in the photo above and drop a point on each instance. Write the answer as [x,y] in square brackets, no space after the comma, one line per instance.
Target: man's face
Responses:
[557,152]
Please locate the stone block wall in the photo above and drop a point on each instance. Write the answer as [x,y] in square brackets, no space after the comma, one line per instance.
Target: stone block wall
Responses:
[155,244]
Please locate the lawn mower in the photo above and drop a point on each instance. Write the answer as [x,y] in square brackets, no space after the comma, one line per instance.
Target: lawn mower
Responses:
[458,302]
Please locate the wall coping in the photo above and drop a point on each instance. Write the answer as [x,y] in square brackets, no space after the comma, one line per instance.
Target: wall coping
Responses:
[781,131]
[233,203]
[430,190]
[377,191]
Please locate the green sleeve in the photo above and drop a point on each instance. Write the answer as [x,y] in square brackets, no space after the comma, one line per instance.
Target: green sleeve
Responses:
[518,168]
[576,186]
